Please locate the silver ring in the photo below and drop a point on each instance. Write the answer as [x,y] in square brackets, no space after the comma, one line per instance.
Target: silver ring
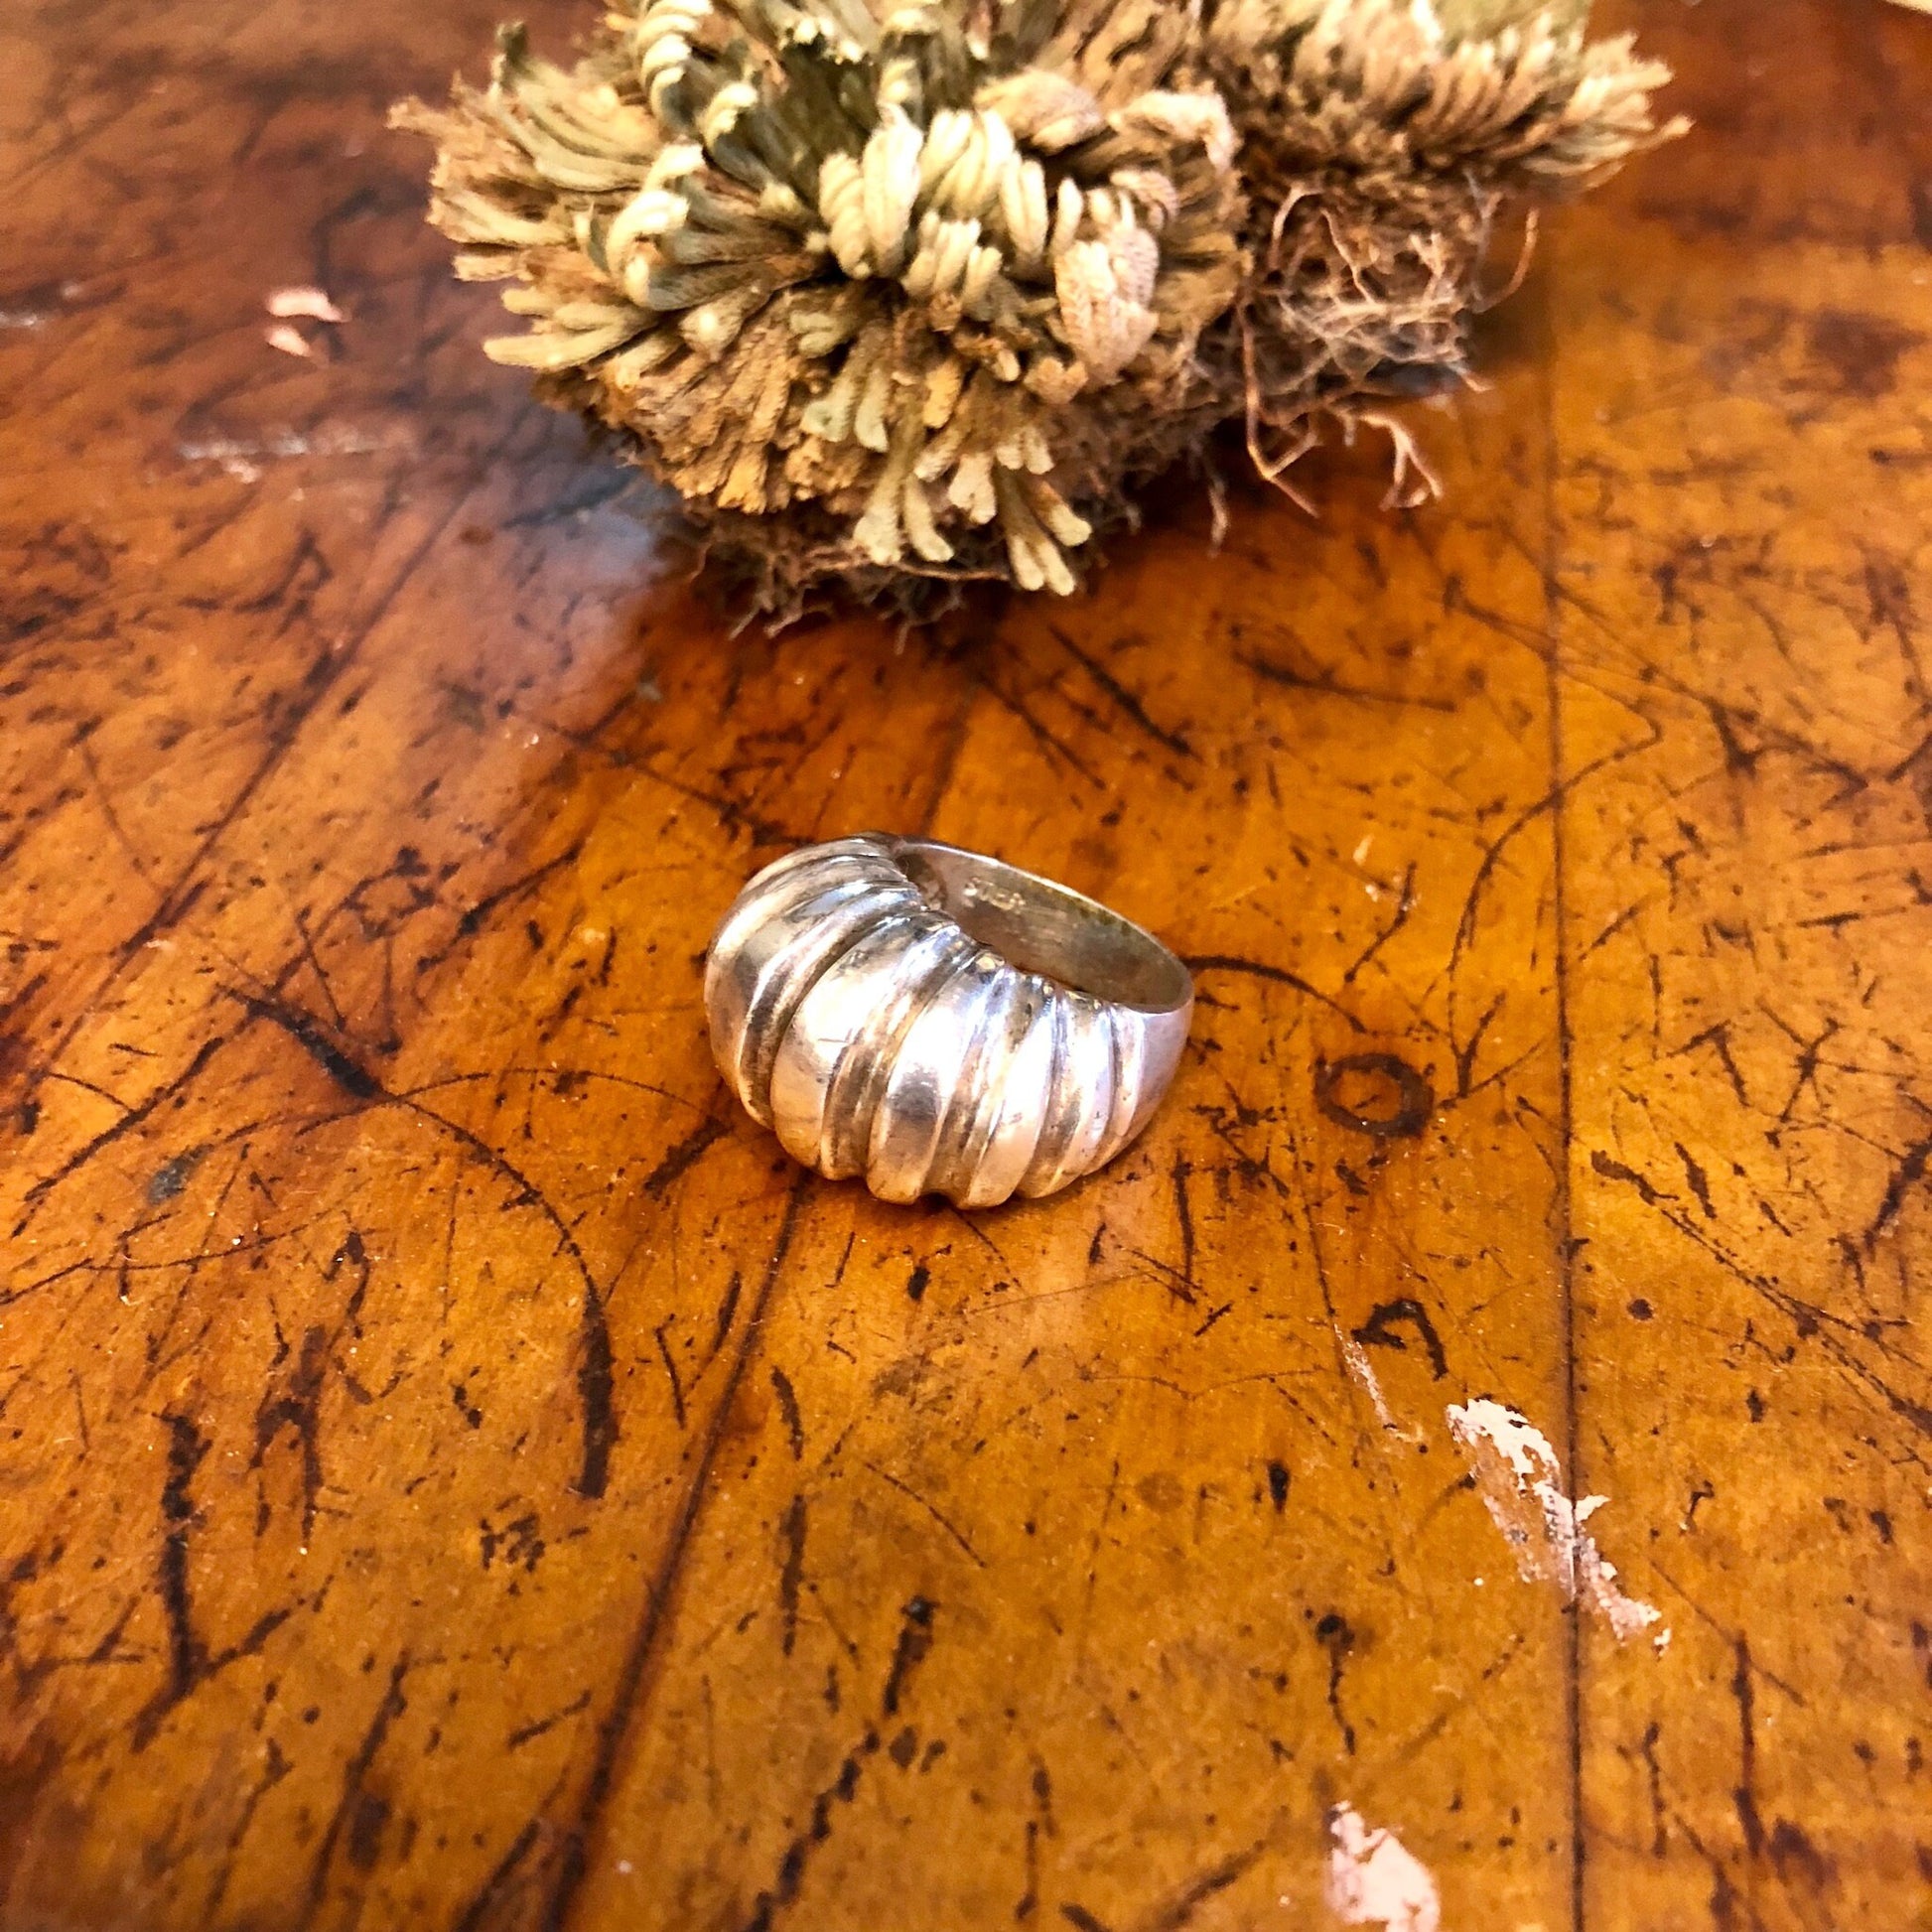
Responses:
[940,1021]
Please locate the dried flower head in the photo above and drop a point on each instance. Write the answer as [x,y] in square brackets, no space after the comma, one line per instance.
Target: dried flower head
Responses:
[893,294]
[913,294]
[1381,139]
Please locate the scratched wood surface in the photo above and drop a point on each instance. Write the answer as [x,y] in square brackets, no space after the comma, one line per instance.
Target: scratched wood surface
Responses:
[454,1473]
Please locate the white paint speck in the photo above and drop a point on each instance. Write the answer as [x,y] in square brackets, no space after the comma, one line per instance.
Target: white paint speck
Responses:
[1357,1358]
[288,338]
[22,318]
[309,302]
[1520,1479]
[1375,1879]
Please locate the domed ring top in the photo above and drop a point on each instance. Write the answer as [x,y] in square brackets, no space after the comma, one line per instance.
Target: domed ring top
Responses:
[940,1022]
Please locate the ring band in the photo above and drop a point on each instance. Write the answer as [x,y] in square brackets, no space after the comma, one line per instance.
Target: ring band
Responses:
[940,1022]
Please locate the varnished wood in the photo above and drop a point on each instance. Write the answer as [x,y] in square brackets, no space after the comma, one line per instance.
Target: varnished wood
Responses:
[457,1475]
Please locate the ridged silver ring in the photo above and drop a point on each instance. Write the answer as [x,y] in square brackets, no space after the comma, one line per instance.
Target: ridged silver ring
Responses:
[940,1021]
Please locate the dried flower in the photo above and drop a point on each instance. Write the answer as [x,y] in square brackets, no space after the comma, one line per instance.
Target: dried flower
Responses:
[890,296]
[1380,142]
[919,295]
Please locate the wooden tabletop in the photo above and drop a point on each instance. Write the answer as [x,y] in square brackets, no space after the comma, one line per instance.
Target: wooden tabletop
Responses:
[458,1474]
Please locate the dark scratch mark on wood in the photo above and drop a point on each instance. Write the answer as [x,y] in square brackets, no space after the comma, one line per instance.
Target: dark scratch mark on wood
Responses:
[788,1409]
[324,671]
[1217,962]
[1609,1167]
[951,743]
[1551,802]
[1294,680]
[908,1653]
[1084,1921]
[1123,698]
[1746,1795]
[1906,1175]
[791,1866]
[314,966]
[474,916]
[684,1156]
[1811,1322]
[172,1177]
[1058,751]
[187,1659]
[915,1640]
[1718,1038]
[659,1335]
[595,1382]
[1184,1214]
[130,1120]
[1659,1835]
[190,1662]
[299,1411]
[1378,1331]
[944,1522]
[357,1081]
[482,1906]
[1178,1911]
[538,1726]
[1466,1055]
[1334,1633]
[727,1313]
[350,1813]
[791,1529]
[274,1769]
[1700,1181]
[613,1725]
[1562,1209]
[1405,904]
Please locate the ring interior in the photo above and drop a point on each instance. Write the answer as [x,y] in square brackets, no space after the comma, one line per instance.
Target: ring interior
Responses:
[1044,928]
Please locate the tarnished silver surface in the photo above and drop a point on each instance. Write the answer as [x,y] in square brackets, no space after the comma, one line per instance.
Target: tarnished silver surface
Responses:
[940,1021]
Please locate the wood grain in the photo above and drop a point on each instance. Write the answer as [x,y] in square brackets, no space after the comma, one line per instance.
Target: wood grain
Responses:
[458,1474]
